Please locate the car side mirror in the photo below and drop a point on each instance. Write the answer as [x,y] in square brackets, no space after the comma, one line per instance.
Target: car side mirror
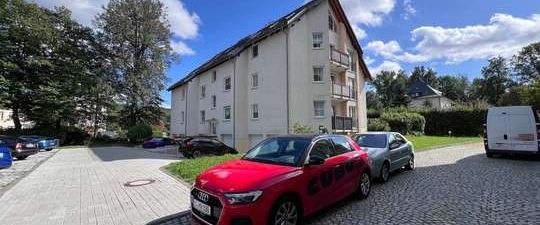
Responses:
[315,160]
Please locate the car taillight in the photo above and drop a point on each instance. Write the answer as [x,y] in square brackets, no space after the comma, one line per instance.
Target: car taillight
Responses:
[485,136]
[18,147]
[190,144]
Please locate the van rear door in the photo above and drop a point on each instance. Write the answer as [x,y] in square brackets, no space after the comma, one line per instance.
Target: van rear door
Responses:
[498,130]
[523,130]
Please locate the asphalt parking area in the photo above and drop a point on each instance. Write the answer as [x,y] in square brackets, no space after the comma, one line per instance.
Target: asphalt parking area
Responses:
[453,185]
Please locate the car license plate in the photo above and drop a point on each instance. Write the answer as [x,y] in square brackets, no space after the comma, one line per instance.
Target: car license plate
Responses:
[201,207]
[30,145]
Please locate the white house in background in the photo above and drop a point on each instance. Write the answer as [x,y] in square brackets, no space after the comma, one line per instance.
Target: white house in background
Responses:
[6,121]
[305,68]
[424,96]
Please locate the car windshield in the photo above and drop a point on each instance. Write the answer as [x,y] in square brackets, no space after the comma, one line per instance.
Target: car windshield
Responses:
[371,140]
[282,151]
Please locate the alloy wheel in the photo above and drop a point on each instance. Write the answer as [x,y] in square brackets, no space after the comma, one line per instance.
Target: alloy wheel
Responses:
[287,214]
[385,172]
[365,184]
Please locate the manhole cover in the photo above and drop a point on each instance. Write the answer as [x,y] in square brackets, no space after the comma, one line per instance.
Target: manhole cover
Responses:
[137,183]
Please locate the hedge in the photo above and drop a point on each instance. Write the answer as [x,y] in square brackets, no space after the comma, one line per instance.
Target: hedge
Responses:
[139,133]
[405,122]
[377,125]
[460,120]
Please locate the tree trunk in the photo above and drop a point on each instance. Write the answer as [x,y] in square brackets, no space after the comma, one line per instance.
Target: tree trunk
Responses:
[16,119]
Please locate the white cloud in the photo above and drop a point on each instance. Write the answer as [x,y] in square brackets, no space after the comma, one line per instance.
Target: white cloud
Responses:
[386,66]
[504,35]
[184,25]
[408,9]
[181,48]
[367,12]
[368,60]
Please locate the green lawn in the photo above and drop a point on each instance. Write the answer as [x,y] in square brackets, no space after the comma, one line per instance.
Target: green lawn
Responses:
[430,142]
[188,169]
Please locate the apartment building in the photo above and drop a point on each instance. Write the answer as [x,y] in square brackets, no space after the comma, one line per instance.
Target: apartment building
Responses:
[304,68]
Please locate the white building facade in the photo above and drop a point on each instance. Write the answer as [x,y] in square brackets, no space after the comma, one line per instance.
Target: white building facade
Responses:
[305,68]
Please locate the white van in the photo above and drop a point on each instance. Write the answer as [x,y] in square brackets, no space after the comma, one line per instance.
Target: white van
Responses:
[512,130]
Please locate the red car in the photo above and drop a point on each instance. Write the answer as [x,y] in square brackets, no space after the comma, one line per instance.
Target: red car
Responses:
[280,181]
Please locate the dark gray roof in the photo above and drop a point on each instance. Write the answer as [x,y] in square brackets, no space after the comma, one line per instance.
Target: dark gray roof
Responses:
[246,42]
[423,89]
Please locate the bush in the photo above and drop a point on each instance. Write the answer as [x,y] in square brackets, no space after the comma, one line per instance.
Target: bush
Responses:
[68,135]
[405,123]
[139,133]
[377,125]
[373,113]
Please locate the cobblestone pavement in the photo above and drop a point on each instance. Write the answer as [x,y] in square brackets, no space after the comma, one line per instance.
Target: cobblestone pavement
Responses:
[87,186]
[22,167]
[453,185]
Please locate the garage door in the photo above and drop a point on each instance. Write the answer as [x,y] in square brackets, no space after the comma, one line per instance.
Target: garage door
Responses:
[254,139]
[227,139]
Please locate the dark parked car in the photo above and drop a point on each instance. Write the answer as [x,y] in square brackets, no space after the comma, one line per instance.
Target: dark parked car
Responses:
[5,156]
[20,148]
[198,146]
[45,143]
[158,142]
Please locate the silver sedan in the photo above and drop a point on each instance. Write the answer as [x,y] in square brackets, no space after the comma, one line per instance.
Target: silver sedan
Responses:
[387,151]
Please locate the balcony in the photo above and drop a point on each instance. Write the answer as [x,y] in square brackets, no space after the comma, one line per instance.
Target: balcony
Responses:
[343,92]
[342,123]
[340,60]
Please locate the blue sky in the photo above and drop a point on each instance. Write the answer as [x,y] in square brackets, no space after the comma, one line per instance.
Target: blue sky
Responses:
[453,37]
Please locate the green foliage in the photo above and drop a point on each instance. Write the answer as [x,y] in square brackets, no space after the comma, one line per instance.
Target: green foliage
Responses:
[495,81]
[139,133]
[302,129]
[377,125]
[373,101]
[373,113]
[391,88]
[454,87]
[68,135]
[188,169]
[527,64]
[137,32]
[427,75]
[404,122]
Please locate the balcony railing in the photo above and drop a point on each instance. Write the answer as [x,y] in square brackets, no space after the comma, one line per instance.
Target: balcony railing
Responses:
[343,91]
[340,58]
[342,123]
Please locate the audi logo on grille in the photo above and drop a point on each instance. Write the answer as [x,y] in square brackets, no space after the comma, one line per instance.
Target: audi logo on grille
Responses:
[203,196]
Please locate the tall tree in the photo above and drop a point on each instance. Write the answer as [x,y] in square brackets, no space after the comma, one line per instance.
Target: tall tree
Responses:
[427,75]
[454,87]
[496,79]
[137,32]
[373,101]
[391,88]
[527,63]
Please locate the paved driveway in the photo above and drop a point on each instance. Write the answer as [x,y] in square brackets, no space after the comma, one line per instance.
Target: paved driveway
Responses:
[86,186]
[453,185]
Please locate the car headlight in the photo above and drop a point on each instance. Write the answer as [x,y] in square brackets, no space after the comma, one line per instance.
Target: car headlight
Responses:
[243,198]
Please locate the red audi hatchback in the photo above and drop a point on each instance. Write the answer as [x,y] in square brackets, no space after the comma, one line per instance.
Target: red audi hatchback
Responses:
[280,181]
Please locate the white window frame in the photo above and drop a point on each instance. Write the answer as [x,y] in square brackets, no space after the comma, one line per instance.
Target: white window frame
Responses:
[317,112]
[183,119]
[321,74]
[255,51]
[203,116]
[332,25]
[203,91]
[317,40]
[225,83]
[255,109]
[255,80]
[225,109]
